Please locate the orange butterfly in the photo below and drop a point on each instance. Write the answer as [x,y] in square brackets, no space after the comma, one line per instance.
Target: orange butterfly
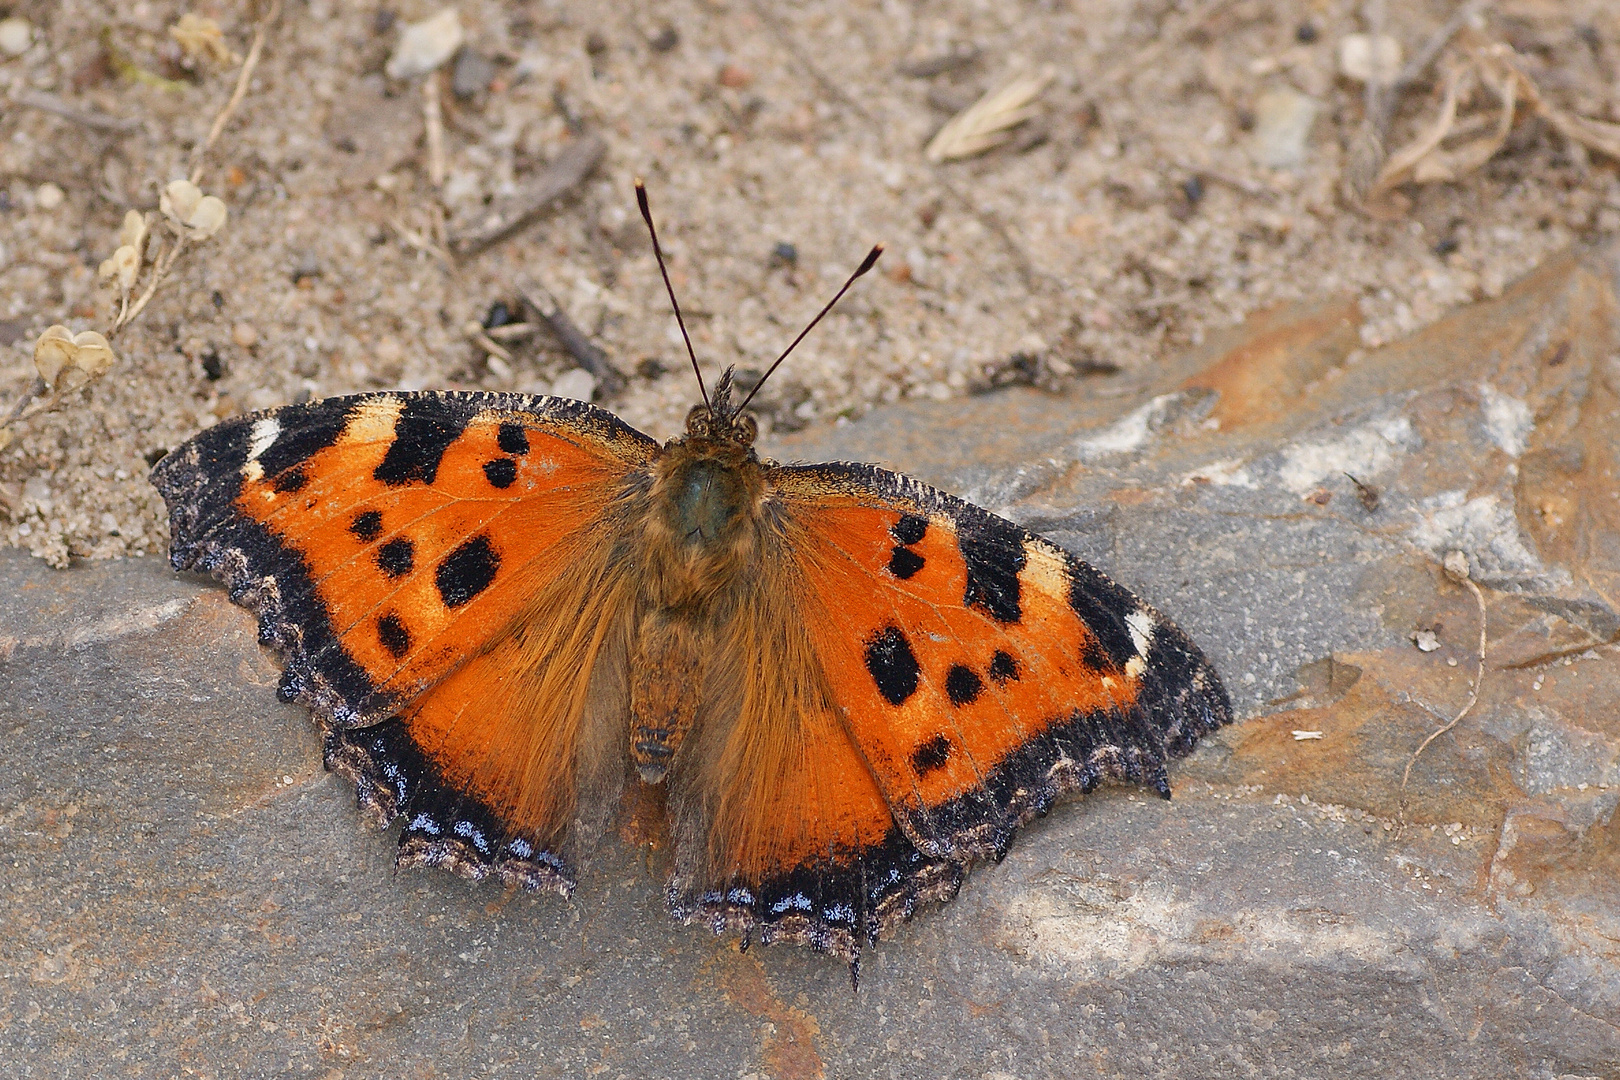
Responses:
[512,615]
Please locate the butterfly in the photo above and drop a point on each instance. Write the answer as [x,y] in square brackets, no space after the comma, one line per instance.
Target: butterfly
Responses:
[518,620]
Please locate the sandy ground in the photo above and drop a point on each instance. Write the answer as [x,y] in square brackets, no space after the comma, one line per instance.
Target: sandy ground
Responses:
[1134,214]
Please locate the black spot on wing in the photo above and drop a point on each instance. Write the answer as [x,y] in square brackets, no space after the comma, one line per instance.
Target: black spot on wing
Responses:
[426,427]
[367,525]
[1102,606]
[993,550]
[909,529]
[393,635]
[1003,666]
[512,439]
[892,664]
[397,557]
[931,755]
[903,562]
[467,571]
[292,480]
[963,685]
[501,472]
[305,430]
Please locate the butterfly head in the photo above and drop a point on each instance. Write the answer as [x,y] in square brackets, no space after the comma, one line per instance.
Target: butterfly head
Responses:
[718,421]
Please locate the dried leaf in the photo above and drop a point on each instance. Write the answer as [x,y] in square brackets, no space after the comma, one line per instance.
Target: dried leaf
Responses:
[986,123]
[200,39]
[1427,160]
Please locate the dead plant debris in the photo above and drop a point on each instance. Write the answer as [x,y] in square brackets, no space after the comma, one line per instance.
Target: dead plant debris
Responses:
[1104,210]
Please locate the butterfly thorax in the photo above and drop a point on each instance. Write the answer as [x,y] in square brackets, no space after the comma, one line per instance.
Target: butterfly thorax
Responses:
[703,536]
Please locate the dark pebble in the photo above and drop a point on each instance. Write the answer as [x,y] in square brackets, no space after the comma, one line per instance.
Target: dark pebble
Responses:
[472,74]
[497,315]
[665,39]
[784,254]
[1306,33]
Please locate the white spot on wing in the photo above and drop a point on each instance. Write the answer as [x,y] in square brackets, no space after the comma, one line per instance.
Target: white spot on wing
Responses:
[1141,626]
[265,432]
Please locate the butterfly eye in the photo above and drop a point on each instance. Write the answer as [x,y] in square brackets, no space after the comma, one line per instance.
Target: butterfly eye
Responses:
[697,421]
[744,430]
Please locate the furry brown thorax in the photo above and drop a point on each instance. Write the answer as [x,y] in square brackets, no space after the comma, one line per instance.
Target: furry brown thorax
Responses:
[708,496]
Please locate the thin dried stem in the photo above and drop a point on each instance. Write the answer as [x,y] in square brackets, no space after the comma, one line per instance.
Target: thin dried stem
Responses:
[35,389]
[1473,699]
[243,79]
[433,122]
[160,270]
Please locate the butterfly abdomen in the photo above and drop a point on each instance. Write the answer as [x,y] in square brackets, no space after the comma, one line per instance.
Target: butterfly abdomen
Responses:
[701,543]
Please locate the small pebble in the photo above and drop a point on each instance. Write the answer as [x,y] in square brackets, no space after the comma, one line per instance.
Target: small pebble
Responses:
[595,43]
[48,196]
[664,39]
[735,77]
[1366,58]
[244,335]
[1306,33]
[472,74]
[424,46]
[212,365]
[1193,188]
[1282,127]
[15,35]
[784,254]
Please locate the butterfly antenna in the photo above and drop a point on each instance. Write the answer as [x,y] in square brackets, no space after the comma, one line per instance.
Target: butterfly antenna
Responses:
[646,215]
[866,264]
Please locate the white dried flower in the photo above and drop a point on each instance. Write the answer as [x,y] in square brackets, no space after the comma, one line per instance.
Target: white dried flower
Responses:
[125,265]
[190,211]
[133,233]
[67,361]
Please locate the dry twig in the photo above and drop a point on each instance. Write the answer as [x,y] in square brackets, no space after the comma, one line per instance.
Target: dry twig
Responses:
[571,168]
[1456,566]
[90,118]
[243,80]
[433,124]
[539,299]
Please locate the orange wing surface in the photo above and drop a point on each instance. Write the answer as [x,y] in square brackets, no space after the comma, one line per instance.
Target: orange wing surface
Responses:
[439,571]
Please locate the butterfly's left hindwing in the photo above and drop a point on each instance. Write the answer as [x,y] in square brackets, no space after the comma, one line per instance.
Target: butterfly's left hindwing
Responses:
[399,548]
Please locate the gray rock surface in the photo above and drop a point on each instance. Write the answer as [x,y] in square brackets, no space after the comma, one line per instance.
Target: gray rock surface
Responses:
[187,893]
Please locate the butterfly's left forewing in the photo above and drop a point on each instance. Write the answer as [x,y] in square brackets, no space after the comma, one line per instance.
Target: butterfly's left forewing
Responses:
[442,574]
[982,672]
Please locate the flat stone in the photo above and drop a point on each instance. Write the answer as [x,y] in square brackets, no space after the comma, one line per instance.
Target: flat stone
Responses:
[188,890]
